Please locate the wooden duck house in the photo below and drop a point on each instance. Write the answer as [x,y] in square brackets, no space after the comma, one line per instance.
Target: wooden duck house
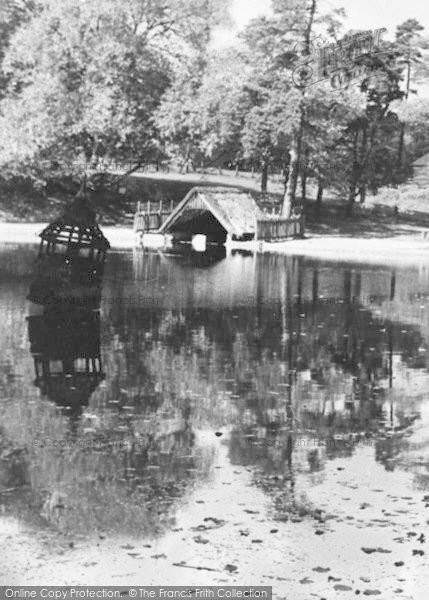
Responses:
[71,260]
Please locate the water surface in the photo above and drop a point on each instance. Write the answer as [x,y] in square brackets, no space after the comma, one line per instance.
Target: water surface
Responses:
[253,406]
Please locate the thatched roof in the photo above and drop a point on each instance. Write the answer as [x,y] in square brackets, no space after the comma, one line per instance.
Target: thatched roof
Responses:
[233,208]
[422,161]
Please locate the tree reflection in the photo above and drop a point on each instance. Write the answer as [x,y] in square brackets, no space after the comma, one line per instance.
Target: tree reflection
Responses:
[129,452]
[307,365]
[297,362]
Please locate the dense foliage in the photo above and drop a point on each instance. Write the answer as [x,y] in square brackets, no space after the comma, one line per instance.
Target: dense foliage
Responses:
[85,83]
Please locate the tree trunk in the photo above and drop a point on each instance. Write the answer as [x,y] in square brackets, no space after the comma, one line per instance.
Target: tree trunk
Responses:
[264,176]
[399,160]
[286,171]
[354,177]
[295,157]
[351,200]
[362,194]
[304,174]
[296,143]
[304,185]
[319,197]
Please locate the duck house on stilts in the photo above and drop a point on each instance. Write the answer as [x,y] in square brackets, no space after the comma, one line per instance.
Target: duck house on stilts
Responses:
[71,260]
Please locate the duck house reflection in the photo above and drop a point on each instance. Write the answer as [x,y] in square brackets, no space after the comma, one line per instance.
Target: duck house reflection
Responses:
[67,359]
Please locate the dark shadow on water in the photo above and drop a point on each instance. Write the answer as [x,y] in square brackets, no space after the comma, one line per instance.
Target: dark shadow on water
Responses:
[67,358]
[187,256]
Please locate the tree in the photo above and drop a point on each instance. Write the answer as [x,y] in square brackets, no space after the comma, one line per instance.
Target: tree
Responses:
[328,116]
[298,126]
[408,44]
[178,117]
[277,47]
[264,136]
[415,116]
[13,14]
[201,115]
[85,79]
[355,147]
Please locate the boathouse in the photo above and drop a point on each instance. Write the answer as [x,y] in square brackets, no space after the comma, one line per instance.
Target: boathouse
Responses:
[216,212]
[218,215]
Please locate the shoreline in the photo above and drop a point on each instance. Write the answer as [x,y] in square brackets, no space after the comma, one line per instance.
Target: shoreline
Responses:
[410,248]
[391,250]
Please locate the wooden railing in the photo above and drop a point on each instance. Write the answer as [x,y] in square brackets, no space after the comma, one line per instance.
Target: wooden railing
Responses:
[150,217]
[277,228]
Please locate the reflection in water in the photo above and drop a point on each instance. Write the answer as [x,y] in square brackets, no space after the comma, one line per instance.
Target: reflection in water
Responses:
[295,362]
[65,340]
[188,256]
[66,352]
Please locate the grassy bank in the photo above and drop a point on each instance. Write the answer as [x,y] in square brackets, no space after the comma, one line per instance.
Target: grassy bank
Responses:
[376,218]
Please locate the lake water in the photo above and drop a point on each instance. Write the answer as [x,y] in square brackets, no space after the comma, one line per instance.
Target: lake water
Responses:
[242,403]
